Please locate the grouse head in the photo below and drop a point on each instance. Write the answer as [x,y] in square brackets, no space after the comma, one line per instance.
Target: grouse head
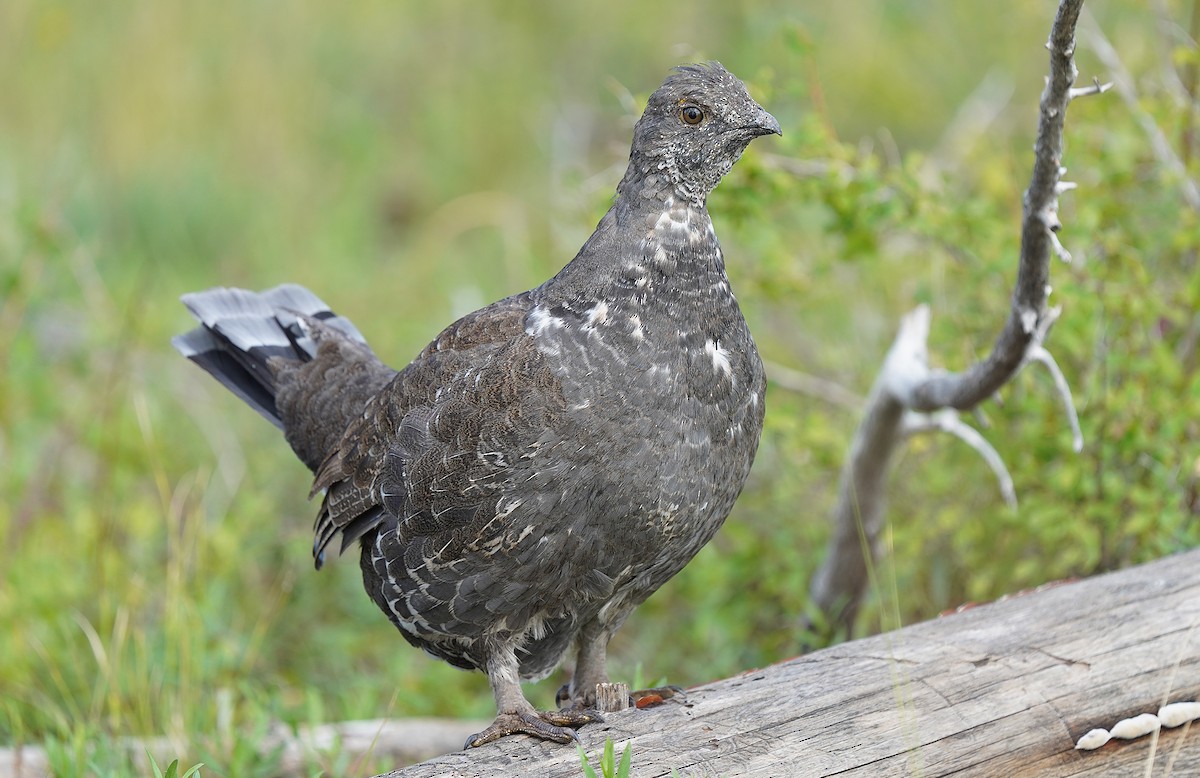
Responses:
[695,126]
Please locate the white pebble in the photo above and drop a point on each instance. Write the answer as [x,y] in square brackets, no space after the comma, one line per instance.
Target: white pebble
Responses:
[1093,740]
[1178,713]
[1128,729]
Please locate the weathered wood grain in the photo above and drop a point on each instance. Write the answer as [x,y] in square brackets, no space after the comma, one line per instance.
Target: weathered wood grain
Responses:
[998,690]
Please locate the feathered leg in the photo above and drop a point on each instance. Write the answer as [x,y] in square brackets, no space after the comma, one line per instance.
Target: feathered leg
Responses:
[591,668]
[514,713]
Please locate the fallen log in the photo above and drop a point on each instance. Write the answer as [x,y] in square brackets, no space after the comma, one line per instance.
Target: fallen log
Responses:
[1004,689]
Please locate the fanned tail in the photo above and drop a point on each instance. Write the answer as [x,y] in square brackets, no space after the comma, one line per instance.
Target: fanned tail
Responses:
[241,331]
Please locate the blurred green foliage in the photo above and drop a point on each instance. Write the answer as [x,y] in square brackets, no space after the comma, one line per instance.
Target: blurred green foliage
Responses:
[411,161]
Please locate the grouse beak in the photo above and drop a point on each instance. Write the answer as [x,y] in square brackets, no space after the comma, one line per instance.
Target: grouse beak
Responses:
[763,123]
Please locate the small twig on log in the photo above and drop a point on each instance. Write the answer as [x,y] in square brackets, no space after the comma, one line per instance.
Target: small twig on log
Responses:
[906,384]
[612,697]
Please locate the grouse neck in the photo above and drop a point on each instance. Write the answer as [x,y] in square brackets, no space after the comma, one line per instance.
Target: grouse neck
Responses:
[681,229]
[647,184]
[641,249]
[672,237]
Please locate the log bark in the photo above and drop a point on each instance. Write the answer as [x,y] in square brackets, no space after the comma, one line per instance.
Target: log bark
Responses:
[1004,689]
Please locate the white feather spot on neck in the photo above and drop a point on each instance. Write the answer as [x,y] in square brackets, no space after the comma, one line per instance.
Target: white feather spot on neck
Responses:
[674,220]
[597,315]
[541,321]
[637,332]
[662,371]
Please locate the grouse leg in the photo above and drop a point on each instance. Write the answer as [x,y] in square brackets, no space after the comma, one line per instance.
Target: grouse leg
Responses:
[591,668]
[514,714]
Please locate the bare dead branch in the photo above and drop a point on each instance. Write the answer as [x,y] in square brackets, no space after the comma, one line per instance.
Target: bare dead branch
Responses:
[1059,249]
[1095,89]
[1128,92]
[806,168]
[1046,359]
[838,584]
[906,384]
[1173,34]
[812,386]
[972,119]
[974,385]
[947,420]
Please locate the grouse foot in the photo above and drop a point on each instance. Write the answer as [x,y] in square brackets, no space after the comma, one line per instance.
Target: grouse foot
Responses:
[553,725]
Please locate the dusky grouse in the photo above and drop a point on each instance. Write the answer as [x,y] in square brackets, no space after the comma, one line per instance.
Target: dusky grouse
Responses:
[549,461]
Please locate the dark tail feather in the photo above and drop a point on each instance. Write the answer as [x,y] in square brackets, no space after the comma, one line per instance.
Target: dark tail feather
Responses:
[241,331]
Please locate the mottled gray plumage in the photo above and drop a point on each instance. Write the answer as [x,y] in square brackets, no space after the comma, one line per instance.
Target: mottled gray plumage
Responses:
[551,460]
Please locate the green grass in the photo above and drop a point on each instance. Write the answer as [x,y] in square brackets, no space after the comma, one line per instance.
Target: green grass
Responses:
[410,161]
[172,770]
[607,762]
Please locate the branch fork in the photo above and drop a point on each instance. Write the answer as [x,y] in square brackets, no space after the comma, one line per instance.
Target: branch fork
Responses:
[909,397]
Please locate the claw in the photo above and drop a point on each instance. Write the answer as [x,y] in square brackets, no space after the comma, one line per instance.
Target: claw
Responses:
[554,725]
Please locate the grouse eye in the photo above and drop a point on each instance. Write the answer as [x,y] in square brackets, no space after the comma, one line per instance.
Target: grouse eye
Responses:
[690,114]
